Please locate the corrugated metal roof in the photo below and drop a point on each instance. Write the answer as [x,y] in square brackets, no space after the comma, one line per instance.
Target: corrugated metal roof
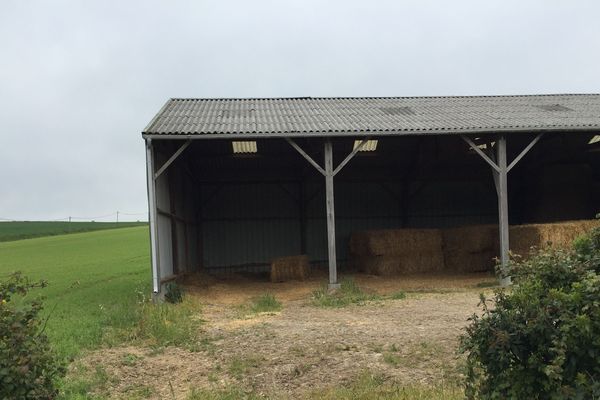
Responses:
[278,117]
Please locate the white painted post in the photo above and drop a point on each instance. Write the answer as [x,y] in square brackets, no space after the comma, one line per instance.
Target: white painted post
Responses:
[333,282]
[152,217]
[503,206]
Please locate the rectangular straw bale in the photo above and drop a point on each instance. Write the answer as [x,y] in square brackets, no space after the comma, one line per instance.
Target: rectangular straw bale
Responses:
[402,264]
[290,268]
[471,239]
[464,261]
[395,242]
[555,235]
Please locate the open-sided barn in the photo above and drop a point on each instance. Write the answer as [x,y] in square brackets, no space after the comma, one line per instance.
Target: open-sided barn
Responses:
[236,183]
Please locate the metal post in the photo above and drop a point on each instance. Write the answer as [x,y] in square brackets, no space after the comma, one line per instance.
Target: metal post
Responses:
[503,206]
[333,282]
[152,216]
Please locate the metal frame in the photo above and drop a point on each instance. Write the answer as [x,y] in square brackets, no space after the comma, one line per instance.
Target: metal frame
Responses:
[151,176]
[498,163]
[500,171]
[152,216]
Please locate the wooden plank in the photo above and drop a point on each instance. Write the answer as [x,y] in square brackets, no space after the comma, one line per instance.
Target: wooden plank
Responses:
[480,152]
[349,157]
[333,283]
[152,217]
[302,215]
[306,156]
[172,158]
[525,151]
[503,206]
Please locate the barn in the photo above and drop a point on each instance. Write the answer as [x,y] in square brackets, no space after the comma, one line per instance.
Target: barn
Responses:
[235,183]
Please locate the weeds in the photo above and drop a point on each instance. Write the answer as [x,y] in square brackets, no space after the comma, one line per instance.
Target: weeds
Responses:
[239,366]
[266,303]
[234,393]
[87,384]
[374,387]
[156,324]
[399,295]
[348,293]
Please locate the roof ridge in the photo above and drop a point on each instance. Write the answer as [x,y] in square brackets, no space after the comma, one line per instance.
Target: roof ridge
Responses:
[379,97]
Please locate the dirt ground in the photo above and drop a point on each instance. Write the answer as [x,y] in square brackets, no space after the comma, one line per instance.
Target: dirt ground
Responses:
[303,347]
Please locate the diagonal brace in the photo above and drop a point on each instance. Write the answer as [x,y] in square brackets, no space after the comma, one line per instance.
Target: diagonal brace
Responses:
[525,151]
[172,158]
[347,159]
[481,153]
[306,156]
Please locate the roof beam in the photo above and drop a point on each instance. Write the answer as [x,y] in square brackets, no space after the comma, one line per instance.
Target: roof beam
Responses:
[172,158]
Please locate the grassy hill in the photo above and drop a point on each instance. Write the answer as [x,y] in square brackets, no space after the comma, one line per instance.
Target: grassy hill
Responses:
[31,229]
[93,278]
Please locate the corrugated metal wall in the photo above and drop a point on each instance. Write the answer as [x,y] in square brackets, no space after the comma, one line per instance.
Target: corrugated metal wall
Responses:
[249,224]
[246,224]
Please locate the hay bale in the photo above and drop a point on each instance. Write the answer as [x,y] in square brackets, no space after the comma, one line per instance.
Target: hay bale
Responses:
[402,264]
[290,268]
[470,248]
[464,261]
[558,235]
[395,241]
[397,251]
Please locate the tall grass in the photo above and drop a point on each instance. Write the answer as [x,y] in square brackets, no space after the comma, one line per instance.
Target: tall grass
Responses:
[156,324]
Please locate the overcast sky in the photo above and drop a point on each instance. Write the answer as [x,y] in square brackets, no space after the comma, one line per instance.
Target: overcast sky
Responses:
[79,80]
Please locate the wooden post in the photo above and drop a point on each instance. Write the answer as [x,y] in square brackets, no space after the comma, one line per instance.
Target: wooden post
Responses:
[302,212]
[152,217]
[503,206]
[333,281]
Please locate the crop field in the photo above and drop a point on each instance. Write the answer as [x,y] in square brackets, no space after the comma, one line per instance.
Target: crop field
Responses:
[13,230]
[239,337]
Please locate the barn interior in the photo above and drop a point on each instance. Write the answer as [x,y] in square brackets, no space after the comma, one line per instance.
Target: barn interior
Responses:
[226,206]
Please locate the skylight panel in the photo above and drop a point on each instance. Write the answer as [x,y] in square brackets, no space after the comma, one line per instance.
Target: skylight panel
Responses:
[245,147]
[371,145]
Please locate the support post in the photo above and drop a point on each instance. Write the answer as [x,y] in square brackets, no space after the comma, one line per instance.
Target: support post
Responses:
[333,281]
[152,217]
[503,206]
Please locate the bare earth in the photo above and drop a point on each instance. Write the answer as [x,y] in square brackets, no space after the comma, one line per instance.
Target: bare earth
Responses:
[303,348]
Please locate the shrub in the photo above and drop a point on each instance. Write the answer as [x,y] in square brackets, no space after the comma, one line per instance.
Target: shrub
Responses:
[541,339]
[28,367]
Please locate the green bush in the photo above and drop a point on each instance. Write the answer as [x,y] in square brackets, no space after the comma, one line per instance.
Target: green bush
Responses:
[540,339]
[28,368]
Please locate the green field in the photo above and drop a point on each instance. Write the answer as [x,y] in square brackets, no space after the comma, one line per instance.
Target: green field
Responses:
[93,278]
[13,230]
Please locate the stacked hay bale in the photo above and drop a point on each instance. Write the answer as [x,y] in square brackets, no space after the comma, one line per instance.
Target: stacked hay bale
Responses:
[397,251]
[462,249]
[290,268]
[470,248]
[523,238]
